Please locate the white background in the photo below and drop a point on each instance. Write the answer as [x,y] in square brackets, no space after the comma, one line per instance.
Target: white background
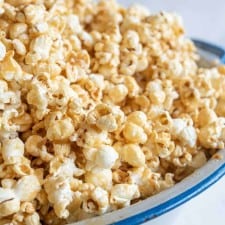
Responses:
[203,19]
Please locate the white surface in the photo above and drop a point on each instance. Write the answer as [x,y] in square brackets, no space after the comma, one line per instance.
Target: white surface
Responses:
[208,208]
[204,19]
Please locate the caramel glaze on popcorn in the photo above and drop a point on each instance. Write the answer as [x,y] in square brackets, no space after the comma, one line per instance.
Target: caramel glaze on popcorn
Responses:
[100,107]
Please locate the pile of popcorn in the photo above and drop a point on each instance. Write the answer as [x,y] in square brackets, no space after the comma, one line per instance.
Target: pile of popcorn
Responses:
[100,107]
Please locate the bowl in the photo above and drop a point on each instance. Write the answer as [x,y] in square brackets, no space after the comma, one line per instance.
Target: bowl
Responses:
[183,191]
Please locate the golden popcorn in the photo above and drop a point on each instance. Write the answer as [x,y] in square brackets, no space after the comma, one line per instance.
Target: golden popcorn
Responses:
[9,207]
[96,103]
[134,133]
[133,155]
[60,130]
[122,194]
[32,219]
[99,177]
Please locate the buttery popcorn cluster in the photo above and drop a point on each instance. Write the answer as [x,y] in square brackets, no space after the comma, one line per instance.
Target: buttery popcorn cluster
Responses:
[100,107]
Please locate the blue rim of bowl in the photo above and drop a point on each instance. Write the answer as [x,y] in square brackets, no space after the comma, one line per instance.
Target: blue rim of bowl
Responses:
[195,190]
[212,48]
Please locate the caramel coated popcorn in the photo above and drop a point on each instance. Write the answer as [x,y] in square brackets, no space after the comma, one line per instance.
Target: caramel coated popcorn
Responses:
[100,107]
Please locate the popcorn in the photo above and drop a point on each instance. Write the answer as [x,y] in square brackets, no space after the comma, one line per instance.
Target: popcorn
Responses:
[24,190]
[220,109]
[74,24]
[105,157]
[122,194]
[98,202]
[59,194]
[60,130]
[155,91]
[100,107]
[65,168]
[41,46]
[2,51]
[19,47]
[10,69]
[118,93]
[27,188]
[184,133]
[16,30]
[138,117]
[177,126]
[198,160]
[211,136]
[107,122]
[32,219]
[133,155]
[12,151]
[34,13]
[134,133]
[6,194]
[34,145]
[188,136]
[37,97]
[100,177]
[9,207]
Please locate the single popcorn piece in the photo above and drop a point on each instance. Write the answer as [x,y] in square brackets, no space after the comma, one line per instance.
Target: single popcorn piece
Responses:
[8,183]
[60,130]
[17,30]
[100,177]
[27,188]
[9,203]
[12,150]
[206,116]
[6,194]
[122,194]
[188,136]
[10,69]
[41,47]
[212,136]
[107,122]
[198,160]
[59,194]
[138,117]
[33,219]
[37,97]
[19,47]
[100,201]
[101,106]
[178,126]
[105,157]
[9,207]
[134,133]
[34,145]
[118,93]
[155,91]
[74,24]
[101,197]
[133,155]
[34,13]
